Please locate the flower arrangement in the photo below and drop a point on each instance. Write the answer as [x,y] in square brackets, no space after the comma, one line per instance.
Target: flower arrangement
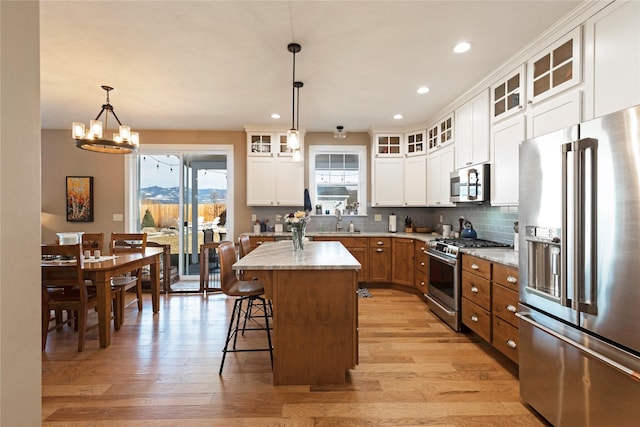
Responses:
[298,221]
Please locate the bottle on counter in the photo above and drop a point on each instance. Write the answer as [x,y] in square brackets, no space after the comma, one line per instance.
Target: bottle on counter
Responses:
[352,227]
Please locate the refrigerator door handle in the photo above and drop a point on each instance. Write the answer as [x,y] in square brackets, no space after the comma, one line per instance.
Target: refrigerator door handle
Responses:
[585,196]
[563,290]
[607,361]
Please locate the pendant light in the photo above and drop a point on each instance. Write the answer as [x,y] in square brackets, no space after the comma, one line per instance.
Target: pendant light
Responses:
[92,139]
[293,135]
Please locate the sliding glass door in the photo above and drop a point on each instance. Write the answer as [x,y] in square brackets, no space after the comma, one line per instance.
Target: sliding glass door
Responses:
[182,200]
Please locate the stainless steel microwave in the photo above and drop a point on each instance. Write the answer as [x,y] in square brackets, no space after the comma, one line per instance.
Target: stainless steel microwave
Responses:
[470,184]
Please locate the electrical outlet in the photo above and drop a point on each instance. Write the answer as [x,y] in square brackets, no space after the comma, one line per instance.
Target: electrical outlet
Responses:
[118,217]
[441,219]
[377,217]
[254,218]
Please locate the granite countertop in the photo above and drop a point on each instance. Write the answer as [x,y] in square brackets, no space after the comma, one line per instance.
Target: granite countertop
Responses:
[505,256]
[315,256]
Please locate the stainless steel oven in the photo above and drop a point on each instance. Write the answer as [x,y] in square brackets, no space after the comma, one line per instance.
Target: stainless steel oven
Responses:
[443,289]
[444,285]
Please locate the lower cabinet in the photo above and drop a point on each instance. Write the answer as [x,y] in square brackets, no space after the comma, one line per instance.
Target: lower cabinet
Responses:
[489,303]
[421,269]
[402,267]
[380,259]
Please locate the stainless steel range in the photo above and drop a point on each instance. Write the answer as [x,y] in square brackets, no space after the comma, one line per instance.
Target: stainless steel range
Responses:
[444,290]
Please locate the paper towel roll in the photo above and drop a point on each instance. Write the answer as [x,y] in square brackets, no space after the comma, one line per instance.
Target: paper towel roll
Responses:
[392,223]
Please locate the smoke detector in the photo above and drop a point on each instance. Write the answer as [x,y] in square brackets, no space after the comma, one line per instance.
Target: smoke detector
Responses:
[339,133]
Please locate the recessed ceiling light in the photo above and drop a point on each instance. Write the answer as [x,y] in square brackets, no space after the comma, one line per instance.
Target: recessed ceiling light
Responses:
[423,89]
[397,116]
[275,116]
[462,47]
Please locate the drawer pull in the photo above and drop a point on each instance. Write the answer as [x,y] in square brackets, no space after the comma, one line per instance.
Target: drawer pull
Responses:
[379,250]
[512,279]
[422,264]
[422,283]
[512,343]
[511,308]
[258,243]
[474,289]
[474,266]
[421,248]
[474,318]
[380,242]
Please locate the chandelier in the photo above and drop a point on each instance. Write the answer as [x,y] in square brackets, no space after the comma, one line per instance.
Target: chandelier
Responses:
[92,139]
[293,135]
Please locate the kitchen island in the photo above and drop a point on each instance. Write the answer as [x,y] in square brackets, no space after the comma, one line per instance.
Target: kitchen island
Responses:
[315,309]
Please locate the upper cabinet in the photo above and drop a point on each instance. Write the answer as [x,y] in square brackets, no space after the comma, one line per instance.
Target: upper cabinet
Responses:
[612,59]
[399,173]
[274,178]
[507,95]
[440,164]
[505,140]
[472,131]
[440,134]
[415,143]
[554,69]
[388,145]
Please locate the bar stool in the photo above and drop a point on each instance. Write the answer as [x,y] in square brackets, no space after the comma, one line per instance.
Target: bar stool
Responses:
[250,291]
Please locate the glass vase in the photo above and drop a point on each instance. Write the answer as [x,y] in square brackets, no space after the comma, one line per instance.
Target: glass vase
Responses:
[297,235]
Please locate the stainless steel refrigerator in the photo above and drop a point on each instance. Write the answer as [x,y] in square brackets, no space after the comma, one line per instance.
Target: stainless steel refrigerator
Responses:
[580,272]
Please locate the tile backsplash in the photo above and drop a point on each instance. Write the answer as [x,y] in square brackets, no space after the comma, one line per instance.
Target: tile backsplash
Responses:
[491,223]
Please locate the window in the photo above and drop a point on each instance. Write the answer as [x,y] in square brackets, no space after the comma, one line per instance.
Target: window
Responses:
[337,177]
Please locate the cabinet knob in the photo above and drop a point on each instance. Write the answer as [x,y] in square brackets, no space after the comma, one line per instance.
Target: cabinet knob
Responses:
[512,279]
[474,266]
[511,308]
[474,289]
[380,242]
[379,250]
[422,283]
[422,264]
[474,318]
[512,343]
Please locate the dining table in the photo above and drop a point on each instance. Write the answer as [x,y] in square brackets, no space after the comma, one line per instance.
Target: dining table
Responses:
[101,269]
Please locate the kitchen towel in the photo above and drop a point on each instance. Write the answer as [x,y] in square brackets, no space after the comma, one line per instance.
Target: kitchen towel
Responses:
[307,201]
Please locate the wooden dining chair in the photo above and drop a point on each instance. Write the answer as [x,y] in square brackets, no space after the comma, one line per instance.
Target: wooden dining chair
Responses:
[64,289]
[249,291]
[128,243]
[92,241]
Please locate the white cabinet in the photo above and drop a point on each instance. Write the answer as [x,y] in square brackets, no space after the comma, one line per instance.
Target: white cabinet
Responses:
[440,164]
[505,140]
[388,181]
[399,169]
[415,143]
[472,131]
[507,95]
[440,134]
[612,59]
[555,69]
[273,177]
[554,114]
[415,181]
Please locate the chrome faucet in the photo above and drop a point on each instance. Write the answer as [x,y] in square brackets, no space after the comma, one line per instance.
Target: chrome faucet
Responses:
[338,220]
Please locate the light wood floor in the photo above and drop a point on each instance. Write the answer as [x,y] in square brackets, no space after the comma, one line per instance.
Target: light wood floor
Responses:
[162,370]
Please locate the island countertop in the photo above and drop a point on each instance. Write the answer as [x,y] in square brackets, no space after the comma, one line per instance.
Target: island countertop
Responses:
[280,255]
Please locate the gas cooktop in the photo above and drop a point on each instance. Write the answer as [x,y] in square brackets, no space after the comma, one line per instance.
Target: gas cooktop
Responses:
[471,243]
[451,247]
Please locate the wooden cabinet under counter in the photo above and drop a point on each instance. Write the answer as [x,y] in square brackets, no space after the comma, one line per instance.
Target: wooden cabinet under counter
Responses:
[402,267]
[421,264]
[358,246]
[380,259]
[490,302]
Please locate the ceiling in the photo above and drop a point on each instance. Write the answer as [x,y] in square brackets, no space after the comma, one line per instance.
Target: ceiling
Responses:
[221,65]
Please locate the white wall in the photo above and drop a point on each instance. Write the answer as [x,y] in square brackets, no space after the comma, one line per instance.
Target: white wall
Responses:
[20,348]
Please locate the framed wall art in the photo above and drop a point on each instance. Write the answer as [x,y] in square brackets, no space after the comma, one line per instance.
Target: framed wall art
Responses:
[80,199]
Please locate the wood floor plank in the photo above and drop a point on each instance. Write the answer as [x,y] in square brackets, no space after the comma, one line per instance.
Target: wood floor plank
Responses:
[162,370]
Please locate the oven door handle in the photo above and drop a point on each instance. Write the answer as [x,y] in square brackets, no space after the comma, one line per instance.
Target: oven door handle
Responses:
[441,258]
